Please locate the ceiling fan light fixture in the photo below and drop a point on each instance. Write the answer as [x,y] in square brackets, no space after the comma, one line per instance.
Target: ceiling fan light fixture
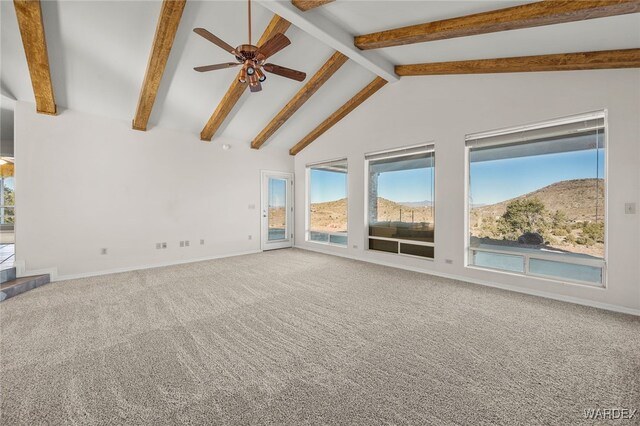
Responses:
[252,58]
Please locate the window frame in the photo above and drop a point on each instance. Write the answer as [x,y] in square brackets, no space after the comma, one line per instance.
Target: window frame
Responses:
[307,211]
[429,146]
[601,263]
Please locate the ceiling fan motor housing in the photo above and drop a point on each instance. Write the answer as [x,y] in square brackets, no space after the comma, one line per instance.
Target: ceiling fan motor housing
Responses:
[247,51]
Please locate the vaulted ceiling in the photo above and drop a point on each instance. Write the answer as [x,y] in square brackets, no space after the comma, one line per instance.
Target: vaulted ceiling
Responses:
[98,53]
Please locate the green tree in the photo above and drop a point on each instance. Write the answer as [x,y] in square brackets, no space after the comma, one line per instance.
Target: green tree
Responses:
[9,200]
[523,215]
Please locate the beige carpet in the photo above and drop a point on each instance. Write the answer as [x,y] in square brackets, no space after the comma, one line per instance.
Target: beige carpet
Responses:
[295,337]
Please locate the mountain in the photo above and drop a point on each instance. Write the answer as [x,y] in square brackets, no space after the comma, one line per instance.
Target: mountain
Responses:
[576,198]
[332,215]
[393,211]
[425,203]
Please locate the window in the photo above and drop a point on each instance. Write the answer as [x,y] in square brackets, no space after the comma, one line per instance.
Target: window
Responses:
[327,198]
[537,199]
[400,202]
[7,200]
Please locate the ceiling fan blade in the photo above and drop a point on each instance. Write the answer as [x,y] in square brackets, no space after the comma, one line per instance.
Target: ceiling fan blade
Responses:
[255,87]
[285,72]
[215,40]
[216,66]
[272,46]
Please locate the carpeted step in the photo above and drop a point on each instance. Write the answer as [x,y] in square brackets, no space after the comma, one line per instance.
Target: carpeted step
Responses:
[20,285]
[8,274]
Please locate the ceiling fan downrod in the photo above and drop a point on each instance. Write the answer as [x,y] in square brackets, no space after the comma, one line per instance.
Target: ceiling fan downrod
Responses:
[249,7]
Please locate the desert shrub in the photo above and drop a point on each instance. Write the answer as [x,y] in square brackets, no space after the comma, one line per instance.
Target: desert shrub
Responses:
[489,229]
[560,225]
[559,232]
[592,232]
[524,215]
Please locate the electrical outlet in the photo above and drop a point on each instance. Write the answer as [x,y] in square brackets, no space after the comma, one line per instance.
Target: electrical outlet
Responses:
[251,237]
[158,246]
[103,251]
[186,243]
[181,243]
[201,242]
[164,245]
[355,246]
[630,208]
[448,261]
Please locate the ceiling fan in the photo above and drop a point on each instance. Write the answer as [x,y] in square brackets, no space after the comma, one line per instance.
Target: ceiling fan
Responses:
[252,58]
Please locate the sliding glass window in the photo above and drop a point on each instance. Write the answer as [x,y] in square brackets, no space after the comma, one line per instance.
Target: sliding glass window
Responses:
[537,199]
[327,202]
[400,201]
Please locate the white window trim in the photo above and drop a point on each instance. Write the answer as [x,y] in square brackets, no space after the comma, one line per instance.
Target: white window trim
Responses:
[307,211]
[539,125]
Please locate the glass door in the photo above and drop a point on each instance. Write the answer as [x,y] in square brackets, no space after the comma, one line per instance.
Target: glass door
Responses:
[276,210]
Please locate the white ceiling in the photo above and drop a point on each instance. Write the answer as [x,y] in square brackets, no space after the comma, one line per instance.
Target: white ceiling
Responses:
[98,52]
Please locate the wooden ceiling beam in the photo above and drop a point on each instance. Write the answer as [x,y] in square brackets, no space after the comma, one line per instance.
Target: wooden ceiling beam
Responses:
[530,15]
[606,59]
[342,112]
[305,5]
[235,91]
[29,14]
[168,22]
[322,76]
[328,32]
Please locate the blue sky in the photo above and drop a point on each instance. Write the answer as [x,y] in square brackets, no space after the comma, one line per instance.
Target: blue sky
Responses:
[499,180]
[327,186]
[491,181]
[406,185]
[277,192]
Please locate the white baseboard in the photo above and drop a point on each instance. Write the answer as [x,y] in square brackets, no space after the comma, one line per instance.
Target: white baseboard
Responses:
[21,271]
[56,277]
[562,298]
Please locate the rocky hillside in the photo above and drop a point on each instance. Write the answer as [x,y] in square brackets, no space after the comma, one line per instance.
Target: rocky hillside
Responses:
[332,215]
[581,231]
[391,211]
[577,198]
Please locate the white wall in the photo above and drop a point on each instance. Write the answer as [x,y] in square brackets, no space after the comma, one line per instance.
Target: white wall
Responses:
[445,108]
[85,182]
